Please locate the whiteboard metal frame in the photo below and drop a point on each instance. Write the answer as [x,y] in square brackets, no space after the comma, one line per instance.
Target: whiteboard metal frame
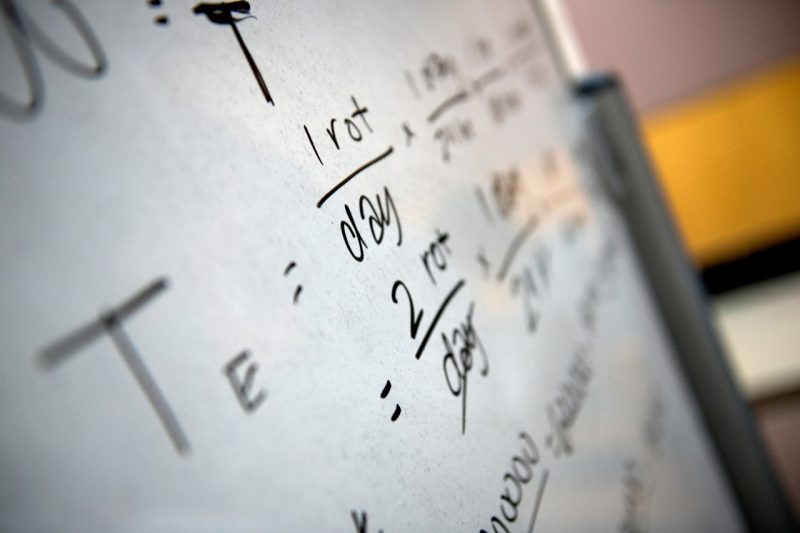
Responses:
[633,187]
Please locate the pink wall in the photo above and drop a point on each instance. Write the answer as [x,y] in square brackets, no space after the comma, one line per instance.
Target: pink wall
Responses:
[669,49]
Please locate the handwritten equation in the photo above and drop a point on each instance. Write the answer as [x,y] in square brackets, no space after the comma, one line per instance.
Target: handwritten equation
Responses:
[439,285]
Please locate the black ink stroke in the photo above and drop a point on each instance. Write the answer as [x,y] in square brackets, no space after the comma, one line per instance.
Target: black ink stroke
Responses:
[110,322]
[516,243]
[457,287]
[26,35]
[383,155]
[223,13]
[538,501]
[457,98]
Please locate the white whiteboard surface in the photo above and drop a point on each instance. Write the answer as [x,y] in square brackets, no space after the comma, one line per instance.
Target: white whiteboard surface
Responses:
[171,165]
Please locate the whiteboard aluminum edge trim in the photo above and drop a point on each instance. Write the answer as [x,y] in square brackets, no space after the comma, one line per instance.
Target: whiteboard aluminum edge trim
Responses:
[685,313]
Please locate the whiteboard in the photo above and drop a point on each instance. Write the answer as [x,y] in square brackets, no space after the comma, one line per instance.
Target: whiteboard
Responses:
[338,267]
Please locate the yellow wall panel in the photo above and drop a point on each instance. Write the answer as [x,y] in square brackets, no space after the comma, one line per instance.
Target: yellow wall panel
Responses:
[730,163]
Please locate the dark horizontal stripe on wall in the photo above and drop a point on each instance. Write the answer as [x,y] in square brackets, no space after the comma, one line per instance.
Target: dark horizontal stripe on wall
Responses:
[761,265]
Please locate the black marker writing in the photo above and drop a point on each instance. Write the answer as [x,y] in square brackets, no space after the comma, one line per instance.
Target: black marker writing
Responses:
[461,343]
[159,20]
[520,473]
[110,322]
[222,13]
[488,78]
[563,411]
[380,218]
[360,522]
[299,289]
[242,388]
[451,101]
[504,104]
[408,133]
[384,393]
[437,254]
[515,246]
[416,319]
[506,190]
[634,499]
[354,132]
[436,69]
[532,285]
[314,146]
[25,34]
[484,204]
[483,261]
[454,132]
[375,160]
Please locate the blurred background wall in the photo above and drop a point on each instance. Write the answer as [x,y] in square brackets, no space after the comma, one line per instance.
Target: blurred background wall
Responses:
[717,87]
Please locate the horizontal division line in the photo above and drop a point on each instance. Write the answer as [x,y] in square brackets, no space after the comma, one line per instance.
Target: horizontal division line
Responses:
[447,104]
[353,174]
[522,55]
[516,243]
[519,57]
[70,343]
[484,80]
[562,196]
[458,286]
